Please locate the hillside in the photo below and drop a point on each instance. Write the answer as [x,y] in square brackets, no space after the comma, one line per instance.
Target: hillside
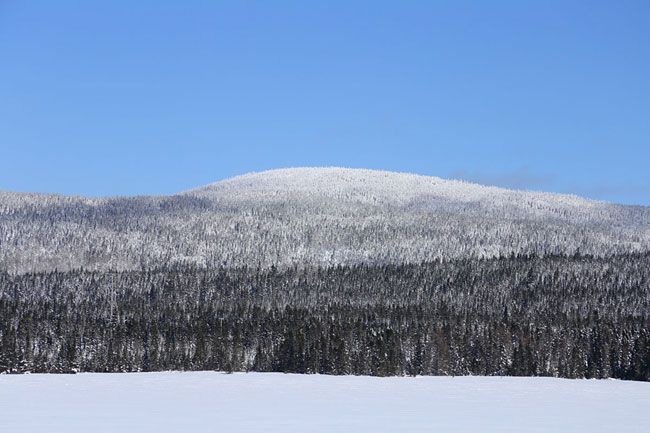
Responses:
[309,216]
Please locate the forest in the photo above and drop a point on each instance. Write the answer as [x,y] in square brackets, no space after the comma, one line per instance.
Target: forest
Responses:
[572,316]
[308,218]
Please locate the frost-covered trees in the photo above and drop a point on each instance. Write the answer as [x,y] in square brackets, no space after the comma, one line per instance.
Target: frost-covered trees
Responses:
[307,217]
[326,271]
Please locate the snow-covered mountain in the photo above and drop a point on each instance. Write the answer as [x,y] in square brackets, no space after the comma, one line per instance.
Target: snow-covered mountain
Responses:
[315,187]
[310,216]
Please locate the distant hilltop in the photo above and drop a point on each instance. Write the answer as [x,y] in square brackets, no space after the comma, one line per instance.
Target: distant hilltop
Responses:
[310,217]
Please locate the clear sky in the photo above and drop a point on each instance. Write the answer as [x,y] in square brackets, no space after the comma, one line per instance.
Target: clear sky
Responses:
[155,97]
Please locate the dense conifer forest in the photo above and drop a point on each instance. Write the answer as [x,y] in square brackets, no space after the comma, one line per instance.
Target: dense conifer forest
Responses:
[566,316]
[308,217]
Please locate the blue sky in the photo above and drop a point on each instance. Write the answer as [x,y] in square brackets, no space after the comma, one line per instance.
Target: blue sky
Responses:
[154,97]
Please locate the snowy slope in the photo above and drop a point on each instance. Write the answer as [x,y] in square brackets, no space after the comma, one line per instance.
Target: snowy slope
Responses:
[310,216]
[336,186]
[270,402]
[369,186]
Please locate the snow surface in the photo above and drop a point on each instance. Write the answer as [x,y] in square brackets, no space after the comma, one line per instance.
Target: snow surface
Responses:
[270,402]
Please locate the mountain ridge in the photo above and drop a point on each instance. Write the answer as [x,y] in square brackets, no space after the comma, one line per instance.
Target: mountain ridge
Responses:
[309,217]
[253,174]
[333,171]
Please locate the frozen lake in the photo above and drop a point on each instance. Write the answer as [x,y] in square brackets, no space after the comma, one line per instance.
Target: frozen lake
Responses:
[270,402]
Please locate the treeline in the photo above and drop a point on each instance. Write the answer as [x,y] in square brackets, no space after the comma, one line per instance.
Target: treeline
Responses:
[575,317]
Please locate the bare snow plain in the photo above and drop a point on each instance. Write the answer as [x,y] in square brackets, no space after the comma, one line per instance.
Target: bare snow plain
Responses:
[275,402]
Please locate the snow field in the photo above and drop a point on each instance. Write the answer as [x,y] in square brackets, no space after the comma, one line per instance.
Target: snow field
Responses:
[275,402]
